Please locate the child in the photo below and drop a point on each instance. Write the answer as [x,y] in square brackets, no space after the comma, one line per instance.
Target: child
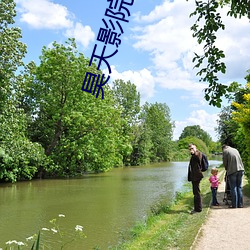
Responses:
[214,185]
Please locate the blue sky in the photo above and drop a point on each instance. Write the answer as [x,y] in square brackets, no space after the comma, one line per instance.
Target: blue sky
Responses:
[155,53]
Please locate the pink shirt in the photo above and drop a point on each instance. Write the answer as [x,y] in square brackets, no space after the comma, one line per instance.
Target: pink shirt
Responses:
[214,181]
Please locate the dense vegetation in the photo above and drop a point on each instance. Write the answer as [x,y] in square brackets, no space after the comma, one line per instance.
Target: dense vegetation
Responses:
[49,127]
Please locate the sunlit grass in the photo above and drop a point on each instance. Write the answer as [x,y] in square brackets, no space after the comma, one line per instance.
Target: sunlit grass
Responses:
[170,226]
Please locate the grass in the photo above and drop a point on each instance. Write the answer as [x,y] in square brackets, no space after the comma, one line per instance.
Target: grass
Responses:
[170,226]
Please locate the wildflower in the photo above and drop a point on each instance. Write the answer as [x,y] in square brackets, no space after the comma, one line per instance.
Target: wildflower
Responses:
[78,228]
[10,242]
[54,230]
[20,243]
[29,238]
[61,215]
[45,229]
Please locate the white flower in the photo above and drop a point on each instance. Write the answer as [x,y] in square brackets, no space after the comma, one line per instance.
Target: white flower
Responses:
[20,243]
[78,228]
[61,215]
[45,229]
[29,238]
[54,230]
[10,242]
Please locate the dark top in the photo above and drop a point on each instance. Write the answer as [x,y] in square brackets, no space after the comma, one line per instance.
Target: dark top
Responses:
[194,168]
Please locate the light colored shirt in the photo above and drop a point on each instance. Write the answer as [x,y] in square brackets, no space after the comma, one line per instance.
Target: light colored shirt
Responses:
[232,160]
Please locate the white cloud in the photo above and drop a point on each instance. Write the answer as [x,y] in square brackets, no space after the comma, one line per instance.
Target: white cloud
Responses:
[83,34]
[165,33]
[143,80]
[207,122]
[43,14]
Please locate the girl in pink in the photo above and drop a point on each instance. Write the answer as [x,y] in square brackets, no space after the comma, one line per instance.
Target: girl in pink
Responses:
[214,186]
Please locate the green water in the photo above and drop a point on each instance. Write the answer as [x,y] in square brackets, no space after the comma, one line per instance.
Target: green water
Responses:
[105,204]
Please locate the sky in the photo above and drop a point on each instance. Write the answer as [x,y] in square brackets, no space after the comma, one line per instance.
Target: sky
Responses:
[155,49]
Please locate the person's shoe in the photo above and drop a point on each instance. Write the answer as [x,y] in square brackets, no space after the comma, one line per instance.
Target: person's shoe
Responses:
[217,204]
[231,206]
[194,212]
[241,206]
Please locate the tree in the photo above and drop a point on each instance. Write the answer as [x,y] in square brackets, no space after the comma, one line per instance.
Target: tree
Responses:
[78,131]
[227,127]
[196,131]
[20,158]
[12,50]
[157,122]
[208,23]
[128,99]
[242,117]
[183,144]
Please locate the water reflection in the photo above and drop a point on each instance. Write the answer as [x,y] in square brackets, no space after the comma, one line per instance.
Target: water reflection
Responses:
[105,204]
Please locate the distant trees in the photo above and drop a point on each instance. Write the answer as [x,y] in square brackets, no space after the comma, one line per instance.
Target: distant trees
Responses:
[183,144]
[156,120]
[196,131]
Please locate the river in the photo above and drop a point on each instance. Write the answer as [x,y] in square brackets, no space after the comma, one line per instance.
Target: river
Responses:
[104,204]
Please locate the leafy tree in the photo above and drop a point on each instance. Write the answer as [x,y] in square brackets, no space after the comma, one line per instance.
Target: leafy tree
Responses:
[196,131]
[183,144]
[241,116]
[78,131]
[19,157]
[128,100]
[157,122]
[227,127]
[142,145]
[208,23]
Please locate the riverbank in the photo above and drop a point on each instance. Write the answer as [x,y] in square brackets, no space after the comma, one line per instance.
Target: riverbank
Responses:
[172,227]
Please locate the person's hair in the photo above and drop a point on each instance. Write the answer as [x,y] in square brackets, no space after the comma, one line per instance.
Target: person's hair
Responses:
[191,144]
[214,170]
[224,146]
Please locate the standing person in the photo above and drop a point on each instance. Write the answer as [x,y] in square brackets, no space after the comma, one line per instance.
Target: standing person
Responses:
[195,175]
[235,169]
[214,186]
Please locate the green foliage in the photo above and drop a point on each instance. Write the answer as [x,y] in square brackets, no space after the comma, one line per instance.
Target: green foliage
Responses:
[205,28]
[201,146]
[233,123]
[227,127]
[196,131]
[80,133]
[20,158]
[128,100]
[156,121]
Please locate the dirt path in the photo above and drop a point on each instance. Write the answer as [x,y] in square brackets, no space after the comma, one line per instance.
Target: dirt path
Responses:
[225,228]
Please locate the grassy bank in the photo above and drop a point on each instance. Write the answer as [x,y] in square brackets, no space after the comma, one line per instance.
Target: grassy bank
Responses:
[170,227]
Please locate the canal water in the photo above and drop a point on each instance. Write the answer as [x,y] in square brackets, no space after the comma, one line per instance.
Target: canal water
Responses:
[106,204]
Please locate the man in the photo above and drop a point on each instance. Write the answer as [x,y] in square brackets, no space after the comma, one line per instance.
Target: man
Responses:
[195,175]
[235,170]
